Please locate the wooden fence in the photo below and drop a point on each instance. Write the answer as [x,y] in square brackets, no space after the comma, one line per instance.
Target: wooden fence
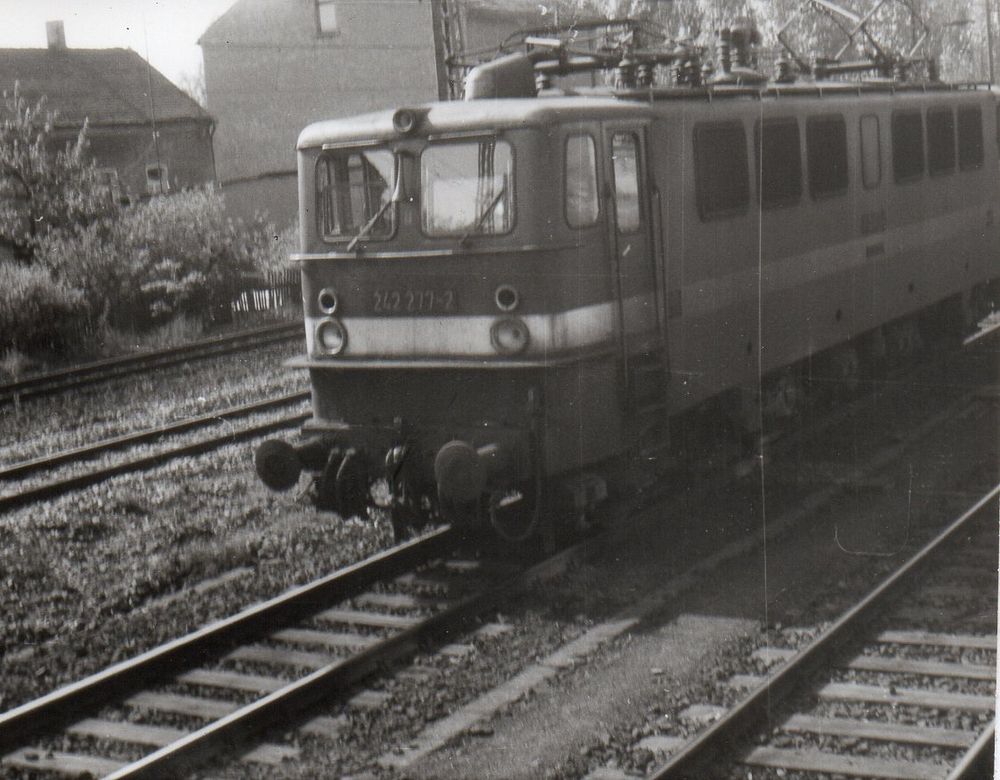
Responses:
[271,292]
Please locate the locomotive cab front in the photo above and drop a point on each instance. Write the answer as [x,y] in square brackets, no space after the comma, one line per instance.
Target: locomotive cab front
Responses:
[474,275]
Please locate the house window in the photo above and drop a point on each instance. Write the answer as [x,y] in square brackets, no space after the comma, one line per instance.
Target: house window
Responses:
[157,180]
[722,179]
[326,17]
[826,152]
[780,162]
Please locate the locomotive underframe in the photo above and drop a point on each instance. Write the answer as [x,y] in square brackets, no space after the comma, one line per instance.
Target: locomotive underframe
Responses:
[527,427]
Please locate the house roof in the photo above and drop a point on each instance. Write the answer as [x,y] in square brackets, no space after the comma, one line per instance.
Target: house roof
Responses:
[105,86]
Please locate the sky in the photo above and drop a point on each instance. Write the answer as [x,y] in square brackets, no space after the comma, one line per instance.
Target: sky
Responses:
[167,29]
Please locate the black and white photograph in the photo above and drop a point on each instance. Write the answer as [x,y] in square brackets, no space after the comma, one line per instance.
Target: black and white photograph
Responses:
[488,389]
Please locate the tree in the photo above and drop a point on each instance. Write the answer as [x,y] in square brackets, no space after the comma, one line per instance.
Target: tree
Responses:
[42,190]
[193,84]
[958,33]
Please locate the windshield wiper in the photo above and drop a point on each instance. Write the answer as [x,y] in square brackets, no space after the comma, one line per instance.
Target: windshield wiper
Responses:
[396,197]
[369,225]
[484,214]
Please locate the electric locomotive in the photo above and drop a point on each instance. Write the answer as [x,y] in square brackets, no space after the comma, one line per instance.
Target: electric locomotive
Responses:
[510,298]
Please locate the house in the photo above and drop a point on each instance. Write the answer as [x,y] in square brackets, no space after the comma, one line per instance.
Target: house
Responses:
[274,66]
[145,134]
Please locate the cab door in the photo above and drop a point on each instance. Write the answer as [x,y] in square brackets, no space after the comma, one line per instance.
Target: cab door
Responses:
[633,219]
[631,236]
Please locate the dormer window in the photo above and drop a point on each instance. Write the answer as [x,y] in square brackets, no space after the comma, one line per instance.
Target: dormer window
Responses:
[326,17]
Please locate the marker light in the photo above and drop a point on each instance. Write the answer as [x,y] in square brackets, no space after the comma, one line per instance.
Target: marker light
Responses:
[331,338]
[509,336]
[506,298]
[328,300]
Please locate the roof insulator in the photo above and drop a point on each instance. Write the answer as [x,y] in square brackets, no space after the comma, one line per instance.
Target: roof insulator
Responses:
[625,73]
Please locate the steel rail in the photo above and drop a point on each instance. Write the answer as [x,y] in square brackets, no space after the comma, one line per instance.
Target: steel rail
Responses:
[60,486]
[44,462]
[692,760]
[48,713]
[113,368]
[978,759]
[292,702]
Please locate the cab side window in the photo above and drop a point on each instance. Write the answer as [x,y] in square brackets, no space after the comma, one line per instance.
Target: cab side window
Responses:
[625,163]
[871,152]
[582,199]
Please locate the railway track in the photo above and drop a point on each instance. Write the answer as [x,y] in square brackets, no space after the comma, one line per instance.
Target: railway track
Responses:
[113,368]
[56,486]
[885,689]
[199,696]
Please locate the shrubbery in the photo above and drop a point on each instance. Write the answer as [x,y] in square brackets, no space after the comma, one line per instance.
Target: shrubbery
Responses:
[90,267]
[37,312]
[171,255]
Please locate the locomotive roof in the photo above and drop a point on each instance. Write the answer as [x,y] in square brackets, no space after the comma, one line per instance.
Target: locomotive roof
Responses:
[462,116]
[470,116]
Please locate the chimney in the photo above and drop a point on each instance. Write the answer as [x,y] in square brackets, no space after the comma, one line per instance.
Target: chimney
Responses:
[56,35]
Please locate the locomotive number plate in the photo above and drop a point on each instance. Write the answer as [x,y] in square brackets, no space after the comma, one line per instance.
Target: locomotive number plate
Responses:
[414,301]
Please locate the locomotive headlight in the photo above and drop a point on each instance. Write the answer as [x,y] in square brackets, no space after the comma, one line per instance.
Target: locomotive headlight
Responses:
[509,336]
[405,121]
[331,338]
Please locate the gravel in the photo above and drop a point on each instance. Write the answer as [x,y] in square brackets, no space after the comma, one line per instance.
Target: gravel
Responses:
[49,424]
[165,444]
[83,577]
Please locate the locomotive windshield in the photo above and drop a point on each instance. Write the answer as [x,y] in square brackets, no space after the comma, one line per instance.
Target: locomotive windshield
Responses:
[467,188]
[353,191]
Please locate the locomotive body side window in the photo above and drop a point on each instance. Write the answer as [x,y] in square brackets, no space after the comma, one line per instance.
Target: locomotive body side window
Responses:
[826,150]
[467,188]
[907,145]
[722,180]
[625,164]
[353,188]
[871,152]
[970,137]
[940,141]
[582,199]
[779,162]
